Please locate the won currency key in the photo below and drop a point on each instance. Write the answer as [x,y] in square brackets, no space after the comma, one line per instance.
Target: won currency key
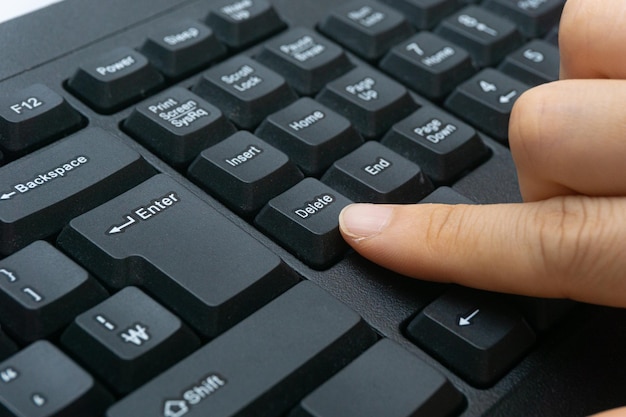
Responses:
[41,192]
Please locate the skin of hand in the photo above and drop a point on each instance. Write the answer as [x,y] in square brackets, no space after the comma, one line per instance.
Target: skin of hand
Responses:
[566,139]
[618,412]
[566,240]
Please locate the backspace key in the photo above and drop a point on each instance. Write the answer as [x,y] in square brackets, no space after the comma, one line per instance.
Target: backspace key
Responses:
[41,192]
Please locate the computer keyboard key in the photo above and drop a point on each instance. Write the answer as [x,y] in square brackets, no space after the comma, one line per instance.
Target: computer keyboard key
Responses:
[372,101]
[446,195]
[533,17]
[213,266]
[181,48]
[245,90]
[161,237]
[42,290]
[305,220]
[442,145]
[177,125]
[366,27]
[424,14]
[486,101]
[475,334]
[244,172]
[261,367]
[387,381]
[33,117]
[114,80]
[313,135]
[488,37]
[428,64]
[306,60]
[238,23]
[374,173]
[42,191]
[535,63]
[128,339]
[41,381]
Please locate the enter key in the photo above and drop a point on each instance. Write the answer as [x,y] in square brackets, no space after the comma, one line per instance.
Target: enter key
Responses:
[163,238]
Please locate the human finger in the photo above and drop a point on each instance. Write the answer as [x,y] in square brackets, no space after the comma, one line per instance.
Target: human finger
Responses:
[565,247]
[618,412]
[567,137]
[591,38]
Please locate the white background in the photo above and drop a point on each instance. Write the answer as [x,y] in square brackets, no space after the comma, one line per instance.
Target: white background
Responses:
[13,8]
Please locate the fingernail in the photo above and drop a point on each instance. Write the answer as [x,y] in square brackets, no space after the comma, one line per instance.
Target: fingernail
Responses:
[362,221]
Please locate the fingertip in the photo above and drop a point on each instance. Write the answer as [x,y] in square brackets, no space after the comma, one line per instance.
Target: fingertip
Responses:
[590,33]
[619,412]
[363,220]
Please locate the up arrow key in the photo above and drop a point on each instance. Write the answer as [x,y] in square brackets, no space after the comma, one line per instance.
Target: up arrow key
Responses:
[466,321]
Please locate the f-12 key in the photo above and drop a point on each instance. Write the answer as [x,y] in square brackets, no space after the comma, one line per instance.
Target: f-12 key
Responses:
[161,237]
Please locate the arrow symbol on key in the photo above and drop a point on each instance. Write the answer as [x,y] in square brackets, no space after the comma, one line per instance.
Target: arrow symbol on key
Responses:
[7,196]
[466,321]
[507,98]
[121,227]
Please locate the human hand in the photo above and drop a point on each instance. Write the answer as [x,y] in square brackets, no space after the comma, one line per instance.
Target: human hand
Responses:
[618,412]
[567,141]
[566,240]
[566,138]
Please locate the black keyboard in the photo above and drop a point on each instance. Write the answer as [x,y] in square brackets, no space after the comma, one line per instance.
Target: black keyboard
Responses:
[172,172]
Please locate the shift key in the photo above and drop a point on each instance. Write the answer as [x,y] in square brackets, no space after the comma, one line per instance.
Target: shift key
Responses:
[42,191]
[263,366]
[163,238]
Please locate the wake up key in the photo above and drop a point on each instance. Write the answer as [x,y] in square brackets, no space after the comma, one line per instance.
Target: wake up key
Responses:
[41,192]
[163,238]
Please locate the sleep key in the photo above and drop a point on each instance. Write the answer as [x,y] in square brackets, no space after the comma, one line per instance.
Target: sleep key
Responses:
[161,237]
[41,192]
[304,220]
